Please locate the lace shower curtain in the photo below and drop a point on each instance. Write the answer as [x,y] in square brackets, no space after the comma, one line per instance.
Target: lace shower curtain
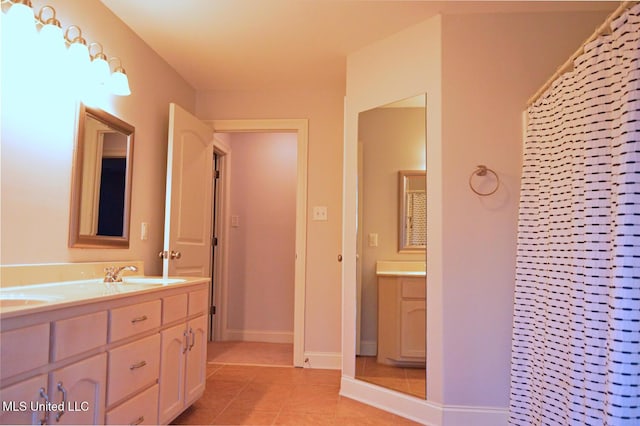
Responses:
[576,332]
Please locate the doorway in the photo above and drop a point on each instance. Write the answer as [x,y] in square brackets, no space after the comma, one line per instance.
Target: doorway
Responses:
[230,222]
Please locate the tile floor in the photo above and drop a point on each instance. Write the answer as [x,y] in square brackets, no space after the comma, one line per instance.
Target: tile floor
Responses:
[267,395]
[257,353]
[407,380]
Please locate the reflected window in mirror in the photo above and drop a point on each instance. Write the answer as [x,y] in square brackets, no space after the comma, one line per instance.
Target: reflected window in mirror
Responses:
[101,186]
[412,210]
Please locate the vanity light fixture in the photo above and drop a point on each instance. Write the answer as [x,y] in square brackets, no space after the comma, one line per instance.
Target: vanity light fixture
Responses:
[119,79]
[100,70]
[51,32]
[89,67]
[20,17]
[78,50]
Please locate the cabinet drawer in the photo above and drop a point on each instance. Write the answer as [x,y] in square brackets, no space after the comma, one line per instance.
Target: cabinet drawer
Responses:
[140,410]
[414,288]
[130,320]
[23,349]
[198,301]
[174,308]
[133,366]
[66,332]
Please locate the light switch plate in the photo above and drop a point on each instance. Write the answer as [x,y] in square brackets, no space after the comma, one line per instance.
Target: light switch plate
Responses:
[320,213]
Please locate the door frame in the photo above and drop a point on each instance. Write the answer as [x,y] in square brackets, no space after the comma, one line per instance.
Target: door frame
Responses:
[300,127]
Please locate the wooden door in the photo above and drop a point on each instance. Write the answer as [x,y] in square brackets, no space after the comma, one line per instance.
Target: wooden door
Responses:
[188,208]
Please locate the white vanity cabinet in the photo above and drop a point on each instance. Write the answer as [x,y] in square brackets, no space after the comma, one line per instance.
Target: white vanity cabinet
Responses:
[401,320]
[98,362]
[70,394]
[184,355]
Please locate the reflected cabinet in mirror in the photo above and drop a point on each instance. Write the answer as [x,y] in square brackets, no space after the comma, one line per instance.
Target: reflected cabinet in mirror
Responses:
[391,268]
[101,183]
[412,208]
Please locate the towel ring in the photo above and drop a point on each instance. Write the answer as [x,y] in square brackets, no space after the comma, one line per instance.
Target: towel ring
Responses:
[482,170]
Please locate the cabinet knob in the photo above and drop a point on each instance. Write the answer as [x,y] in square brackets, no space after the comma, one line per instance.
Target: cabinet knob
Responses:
[339,258]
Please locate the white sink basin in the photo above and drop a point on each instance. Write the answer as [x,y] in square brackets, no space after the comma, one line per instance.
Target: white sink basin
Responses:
[9,300]
[151,280]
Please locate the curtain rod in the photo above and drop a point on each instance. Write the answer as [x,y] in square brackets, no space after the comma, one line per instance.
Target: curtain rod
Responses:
[602,29]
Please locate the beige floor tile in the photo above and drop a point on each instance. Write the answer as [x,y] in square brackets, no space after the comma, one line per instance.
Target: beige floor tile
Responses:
[236,373]
[241,394]
[262,397]
[232,416]
[195,416]
[318,399]
[304,419]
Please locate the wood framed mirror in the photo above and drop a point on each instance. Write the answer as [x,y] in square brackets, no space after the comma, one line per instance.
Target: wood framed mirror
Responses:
[101,181]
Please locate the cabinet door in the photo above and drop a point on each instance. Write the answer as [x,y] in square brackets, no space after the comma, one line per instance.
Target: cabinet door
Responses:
[172,368]
[412,328]
[80,390]
[20,402]
[196,359]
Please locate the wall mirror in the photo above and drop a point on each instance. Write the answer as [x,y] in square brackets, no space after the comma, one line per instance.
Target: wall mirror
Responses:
[101,182]
[391,143]
[412,207]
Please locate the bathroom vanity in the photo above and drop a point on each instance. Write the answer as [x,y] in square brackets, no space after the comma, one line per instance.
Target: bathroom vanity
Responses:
[401,313]
[89,352]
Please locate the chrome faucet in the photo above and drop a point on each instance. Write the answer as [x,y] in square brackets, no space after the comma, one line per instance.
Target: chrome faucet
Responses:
[113,274]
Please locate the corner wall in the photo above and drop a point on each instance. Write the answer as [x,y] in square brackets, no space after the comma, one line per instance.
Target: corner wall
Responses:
[478,72]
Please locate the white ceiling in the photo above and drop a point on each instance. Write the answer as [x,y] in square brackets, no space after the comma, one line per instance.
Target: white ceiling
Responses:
[275,44]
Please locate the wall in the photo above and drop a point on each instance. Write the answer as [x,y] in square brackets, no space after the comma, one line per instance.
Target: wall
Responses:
[398,67]
[393,139]
[262,246]
[490,65]
[323,107]
[38,132]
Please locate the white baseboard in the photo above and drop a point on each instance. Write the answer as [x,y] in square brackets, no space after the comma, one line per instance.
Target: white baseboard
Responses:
[258,336]
[326,360]
[368,347]
[459,415]
[422,411]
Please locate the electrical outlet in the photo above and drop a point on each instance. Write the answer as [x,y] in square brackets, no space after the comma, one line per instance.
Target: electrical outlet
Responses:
[320,213]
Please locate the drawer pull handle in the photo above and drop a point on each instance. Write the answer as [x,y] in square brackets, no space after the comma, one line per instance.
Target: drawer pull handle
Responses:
[64,401]
[139,319]
[137,421]
[138,365]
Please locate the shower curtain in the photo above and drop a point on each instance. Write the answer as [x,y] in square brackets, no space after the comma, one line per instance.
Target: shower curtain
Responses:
[576,328]
[416,218]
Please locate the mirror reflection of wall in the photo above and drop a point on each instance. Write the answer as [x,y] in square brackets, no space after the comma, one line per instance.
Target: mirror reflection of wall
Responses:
[392,138]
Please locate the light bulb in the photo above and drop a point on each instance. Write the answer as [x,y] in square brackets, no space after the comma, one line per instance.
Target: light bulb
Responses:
[100,70]
[52,40]
[20,22]
[120,83]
